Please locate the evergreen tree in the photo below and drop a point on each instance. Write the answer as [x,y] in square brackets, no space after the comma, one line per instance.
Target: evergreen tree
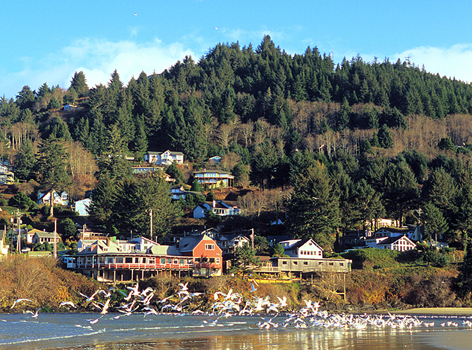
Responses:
[434,221]
[53,165]
[385,137]
[400,190]
[244,260]
[79,84]
[25,161]
[25,98]
[314,208]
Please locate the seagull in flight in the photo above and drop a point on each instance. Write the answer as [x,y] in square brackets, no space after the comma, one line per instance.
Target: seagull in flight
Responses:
[70,303]
[20,300]
[33,314]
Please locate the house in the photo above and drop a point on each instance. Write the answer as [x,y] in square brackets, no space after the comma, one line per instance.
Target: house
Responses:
[164,158]
[400,244]
[178,192]
[142,244]
[208,260]
[395,232]
[81,207]
[217,207]
[58,199]
[302,248]
[6,175]
[214,160]
[228,243]
[46,237]
[3,247]
[29,235]
[214,178]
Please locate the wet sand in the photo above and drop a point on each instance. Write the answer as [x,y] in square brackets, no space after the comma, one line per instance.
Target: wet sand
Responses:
[449,339]
[458,311]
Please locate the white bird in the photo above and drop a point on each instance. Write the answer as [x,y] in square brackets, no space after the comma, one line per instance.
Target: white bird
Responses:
[20,300]
[95,320]
[70,303]
[283,301]
[105,307]
[90,298]
[34,314]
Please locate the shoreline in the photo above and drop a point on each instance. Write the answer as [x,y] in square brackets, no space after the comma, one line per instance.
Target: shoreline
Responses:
[460,311]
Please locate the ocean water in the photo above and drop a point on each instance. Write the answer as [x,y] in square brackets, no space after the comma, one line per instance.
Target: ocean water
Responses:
[137,331]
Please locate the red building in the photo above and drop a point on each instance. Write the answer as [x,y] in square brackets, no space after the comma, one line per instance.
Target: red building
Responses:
[110,261]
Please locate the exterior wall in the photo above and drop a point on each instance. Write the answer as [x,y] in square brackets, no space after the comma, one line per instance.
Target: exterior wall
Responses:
[214,179]
[300,265]
[198,212]
[307,251]
[82,206]
[402,245]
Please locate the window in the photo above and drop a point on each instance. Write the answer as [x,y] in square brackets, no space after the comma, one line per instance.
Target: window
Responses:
[163,261]
[169,261]
[119,260]
[181,261]
[305,263]
[284,262]
[128,260]
[217,260]
[212,260]
[209,247]
[295,262]
[197,260]
[176,261]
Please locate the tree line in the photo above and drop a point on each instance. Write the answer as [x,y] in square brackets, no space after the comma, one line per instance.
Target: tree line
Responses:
[355,140]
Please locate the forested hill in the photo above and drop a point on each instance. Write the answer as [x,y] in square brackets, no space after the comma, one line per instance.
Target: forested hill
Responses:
[381,131]
[231,86]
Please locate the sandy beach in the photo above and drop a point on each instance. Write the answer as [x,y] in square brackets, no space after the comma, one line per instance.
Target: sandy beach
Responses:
[458,311]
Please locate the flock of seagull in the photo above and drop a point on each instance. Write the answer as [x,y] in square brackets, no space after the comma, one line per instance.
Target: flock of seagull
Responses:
[228,304]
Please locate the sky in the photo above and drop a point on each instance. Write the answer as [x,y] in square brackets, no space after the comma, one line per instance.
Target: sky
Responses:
[47,41]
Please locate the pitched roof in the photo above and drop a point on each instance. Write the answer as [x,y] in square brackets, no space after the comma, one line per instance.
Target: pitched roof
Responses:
[189,243]
[164,250]
[392,240]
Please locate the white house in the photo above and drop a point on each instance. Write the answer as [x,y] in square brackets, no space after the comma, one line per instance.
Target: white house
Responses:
[302,248]
[142,244]
[58,199]
[400,244]
[80,207]
[164,158]
[3,247]
[217,207]
[45,237]
[228,243]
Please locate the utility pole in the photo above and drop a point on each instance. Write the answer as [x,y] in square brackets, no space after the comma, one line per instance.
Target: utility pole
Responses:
[18,239]
[150,225]
[55,235]
[252,238]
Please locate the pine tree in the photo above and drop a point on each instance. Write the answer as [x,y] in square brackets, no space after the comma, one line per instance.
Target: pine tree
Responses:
[385,137]
[53,165]
[25,161]
[313,211]
[79,83]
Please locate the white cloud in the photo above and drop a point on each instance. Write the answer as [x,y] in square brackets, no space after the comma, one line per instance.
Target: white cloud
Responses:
[450,62]
[97,59]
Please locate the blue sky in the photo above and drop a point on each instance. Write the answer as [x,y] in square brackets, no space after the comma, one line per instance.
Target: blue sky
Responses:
[48,41]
